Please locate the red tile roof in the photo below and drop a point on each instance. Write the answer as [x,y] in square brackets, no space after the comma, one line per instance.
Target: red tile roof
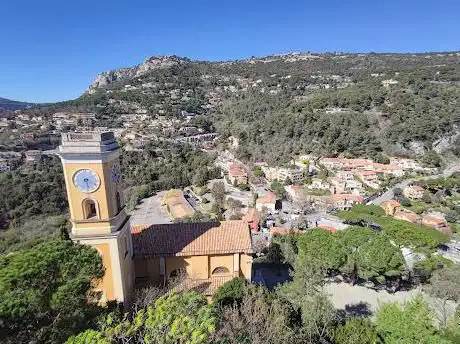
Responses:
[235,170]
[274,231]
[188,239]
[329,228]
[252,217]
[268,198]
[347,197]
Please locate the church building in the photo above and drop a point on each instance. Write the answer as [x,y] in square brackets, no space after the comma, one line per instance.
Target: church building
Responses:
[205,254]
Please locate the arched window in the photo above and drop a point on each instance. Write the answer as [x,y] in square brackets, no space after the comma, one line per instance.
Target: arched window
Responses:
[221,270]
[118,200]
[89,209]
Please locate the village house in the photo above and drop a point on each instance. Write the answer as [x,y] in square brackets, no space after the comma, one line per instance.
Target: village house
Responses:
[252,218]
[437,222]
[280,231]
[406,215]
[344,201]
[369,178]
[339,185]
[391,207]
[205,255]
[413,192]
[294,192]
[267,202]
[319,184]
[294,174]
[177,205]
[236,174]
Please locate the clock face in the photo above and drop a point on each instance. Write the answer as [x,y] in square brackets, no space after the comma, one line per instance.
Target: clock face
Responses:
[86,180]
[116,173]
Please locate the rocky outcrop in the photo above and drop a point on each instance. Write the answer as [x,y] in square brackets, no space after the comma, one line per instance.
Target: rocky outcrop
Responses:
[447,142]
[154,62]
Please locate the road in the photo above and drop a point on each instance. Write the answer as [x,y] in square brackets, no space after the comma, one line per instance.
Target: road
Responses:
[386,196]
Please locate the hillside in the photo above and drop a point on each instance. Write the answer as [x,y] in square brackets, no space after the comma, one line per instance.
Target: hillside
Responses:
[11,105]
[282,105]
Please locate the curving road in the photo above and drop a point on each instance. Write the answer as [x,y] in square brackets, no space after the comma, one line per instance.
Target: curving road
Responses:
[386,196]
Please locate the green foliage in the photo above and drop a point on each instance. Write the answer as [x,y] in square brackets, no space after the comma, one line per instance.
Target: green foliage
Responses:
[356,331]
[177,318]
[218,192]
[33,190]
[258,171]
[322,248]
[379,259]
[405,202]
[230,292]
[444,283]
[45,291]
[402,232]
[278,189]
[412,323]
[356,252]
[162,169]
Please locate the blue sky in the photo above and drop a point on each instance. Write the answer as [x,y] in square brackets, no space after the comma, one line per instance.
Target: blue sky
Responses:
[51,50]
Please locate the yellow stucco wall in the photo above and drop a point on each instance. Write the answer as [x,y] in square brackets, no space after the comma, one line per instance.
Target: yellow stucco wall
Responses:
[106,284]
[105,195]
[225,261]
[246,266]
[196,267]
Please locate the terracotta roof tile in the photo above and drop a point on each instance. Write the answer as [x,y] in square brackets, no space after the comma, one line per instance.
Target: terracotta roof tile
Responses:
[187,239]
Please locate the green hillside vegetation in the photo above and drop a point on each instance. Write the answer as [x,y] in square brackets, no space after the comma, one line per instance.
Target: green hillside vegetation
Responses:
[279,108]
[402,232]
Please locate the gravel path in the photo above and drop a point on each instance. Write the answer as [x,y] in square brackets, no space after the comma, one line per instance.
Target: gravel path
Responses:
[358,299]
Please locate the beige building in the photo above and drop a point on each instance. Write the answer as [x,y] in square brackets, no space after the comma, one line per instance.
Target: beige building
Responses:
[413,192]
[177,205]
[209,254]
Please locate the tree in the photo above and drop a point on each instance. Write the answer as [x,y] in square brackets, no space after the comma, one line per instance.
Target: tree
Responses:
[405,202]
[306,295]
[258,171]
[176,318]
[356,331]
[322,248]
[218,192]
[397,192]
[278,189]
[444,286]
[234,205]
[378,260]
[411,323]
[260,318]
[231,292]
[46,291]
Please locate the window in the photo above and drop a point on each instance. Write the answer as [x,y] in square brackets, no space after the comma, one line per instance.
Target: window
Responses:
[89,209]
[220,271]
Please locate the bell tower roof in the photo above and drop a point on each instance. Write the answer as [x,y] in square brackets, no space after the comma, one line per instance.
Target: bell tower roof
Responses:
[88,142]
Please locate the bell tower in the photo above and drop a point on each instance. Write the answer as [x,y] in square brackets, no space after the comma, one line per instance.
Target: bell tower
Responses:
[94,191]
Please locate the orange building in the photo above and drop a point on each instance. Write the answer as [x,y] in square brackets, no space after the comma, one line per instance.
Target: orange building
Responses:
[208,253]
[391,207]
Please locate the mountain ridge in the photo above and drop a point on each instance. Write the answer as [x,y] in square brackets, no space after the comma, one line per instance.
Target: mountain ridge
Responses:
[11,105]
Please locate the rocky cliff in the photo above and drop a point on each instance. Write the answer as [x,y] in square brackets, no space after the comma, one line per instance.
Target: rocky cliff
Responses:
[148,65]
